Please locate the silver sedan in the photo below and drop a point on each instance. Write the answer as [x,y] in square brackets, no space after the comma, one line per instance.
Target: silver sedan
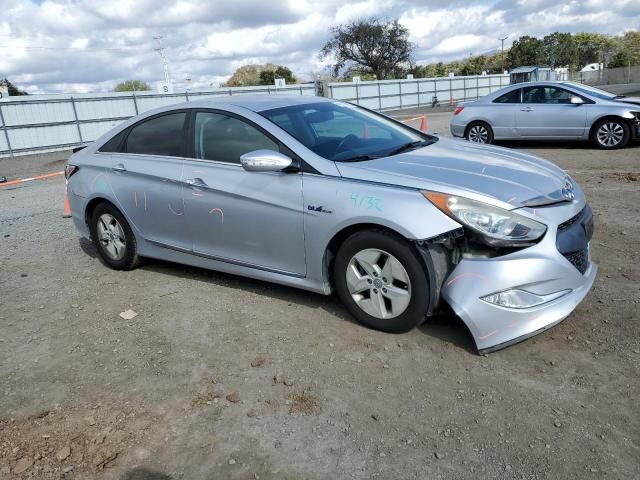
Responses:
[550,111]
[329,197]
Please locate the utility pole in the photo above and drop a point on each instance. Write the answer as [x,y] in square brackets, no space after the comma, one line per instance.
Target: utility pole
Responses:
[502,50]
[165,64]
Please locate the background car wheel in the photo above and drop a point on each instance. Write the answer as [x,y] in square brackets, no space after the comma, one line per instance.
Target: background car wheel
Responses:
[113,238]
[479,132]
[382,281]
[611,133]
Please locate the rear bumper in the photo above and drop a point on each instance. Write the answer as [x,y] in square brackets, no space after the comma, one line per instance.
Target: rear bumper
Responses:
[541,270]
[457,130]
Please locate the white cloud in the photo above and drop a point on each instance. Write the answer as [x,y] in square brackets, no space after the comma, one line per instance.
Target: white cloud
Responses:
[83,45]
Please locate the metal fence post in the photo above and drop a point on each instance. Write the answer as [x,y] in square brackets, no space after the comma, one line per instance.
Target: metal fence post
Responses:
[330,91]
[357,94]
[75,114]
[418,91]
[6,133]
[135,103]
[186,95]
[477,87]
[400,91]
[379,98]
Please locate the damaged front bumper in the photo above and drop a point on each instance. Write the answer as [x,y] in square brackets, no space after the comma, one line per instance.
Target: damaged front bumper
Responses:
[509,298]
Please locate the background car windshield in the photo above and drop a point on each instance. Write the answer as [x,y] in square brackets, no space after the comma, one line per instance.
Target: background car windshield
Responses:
[342,132]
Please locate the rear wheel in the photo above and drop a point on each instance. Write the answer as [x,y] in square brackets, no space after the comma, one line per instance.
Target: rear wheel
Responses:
[382,281]
[479,132]
[113,238]
[611,133]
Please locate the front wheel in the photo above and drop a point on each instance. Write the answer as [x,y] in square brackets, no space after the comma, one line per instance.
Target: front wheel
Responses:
[381,280]
[611,133]
[479,132]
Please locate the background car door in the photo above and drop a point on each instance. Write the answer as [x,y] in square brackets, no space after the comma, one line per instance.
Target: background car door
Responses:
[547,111]
[248,218]
[146,178]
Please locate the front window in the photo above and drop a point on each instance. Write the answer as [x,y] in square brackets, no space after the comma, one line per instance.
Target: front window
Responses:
[224,138]
[343,132]
[549,95]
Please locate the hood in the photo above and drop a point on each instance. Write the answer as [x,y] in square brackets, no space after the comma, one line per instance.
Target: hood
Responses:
[632,100]
[507,177]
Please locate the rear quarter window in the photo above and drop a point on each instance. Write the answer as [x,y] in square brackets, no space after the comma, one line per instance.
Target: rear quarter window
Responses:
[510,97]
[114,144]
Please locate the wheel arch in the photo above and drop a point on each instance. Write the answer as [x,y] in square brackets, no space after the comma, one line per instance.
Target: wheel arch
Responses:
[93,203]
[627,121]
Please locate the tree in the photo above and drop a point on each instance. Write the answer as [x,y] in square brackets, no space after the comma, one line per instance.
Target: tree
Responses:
[132,86]
[13,90]
[268,76]
[370,45]
[593,48]
[560,50]
[526,51]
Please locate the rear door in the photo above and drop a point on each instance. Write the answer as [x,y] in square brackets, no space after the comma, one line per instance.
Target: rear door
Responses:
[547,112]
[253,219]
[145,176]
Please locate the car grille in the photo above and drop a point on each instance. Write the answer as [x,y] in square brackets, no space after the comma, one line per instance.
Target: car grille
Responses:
[571,221]
[579,259]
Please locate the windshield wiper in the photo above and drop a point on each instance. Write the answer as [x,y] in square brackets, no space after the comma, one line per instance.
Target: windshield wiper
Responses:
[410,146]
[358,158]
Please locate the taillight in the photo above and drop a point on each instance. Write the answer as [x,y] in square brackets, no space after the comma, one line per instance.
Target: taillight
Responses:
[70,170]
[458,110]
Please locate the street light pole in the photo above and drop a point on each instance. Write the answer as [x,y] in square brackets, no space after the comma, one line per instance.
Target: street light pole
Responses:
[502,51]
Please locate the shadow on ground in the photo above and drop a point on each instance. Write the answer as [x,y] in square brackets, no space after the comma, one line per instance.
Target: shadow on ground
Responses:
[141,473]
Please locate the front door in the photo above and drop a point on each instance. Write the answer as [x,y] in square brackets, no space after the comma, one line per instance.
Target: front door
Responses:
[547,111]
[145,176]
[253,219]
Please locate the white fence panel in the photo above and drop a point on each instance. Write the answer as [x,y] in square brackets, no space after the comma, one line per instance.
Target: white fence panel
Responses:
[94,130]
[108,108]
[51,135]
[23,113]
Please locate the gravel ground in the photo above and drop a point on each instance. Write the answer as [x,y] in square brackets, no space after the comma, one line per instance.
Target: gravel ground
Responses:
[224,377]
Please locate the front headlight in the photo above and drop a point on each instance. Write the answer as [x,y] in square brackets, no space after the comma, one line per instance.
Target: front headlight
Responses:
[497,226]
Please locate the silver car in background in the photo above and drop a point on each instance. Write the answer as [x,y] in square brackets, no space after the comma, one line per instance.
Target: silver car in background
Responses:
[327,196]
[550,111]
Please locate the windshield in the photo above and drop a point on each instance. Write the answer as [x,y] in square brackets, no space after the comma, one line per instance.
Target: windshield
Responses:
[342,132]
[596,92]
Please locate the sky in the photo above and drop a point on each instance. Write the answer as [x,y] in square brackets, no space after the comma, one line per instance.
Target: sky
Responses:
[51,46]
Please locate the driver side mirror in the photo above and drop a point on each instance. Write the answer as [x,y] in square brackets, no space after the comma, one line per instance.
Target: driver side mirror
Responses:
[575,100]
[265,161]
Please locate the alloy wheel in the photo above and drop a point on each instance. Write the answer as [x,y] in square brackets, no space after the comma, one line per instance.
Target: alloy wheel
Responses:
[111,236]
[378,283]
[610,134]
[478,134]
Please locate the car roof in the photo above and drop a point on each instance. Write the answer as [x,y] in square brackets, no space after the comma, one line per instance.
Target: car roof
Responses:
[257,102]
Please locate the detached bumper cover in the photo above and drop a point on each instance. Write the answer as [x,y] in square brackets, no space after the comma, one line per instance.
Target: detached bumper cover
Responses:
[541,270]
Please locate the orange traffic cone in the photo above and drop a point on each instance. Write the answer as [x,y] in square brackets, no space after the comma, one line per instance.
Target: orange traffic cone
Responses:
[423,123]
[66,213]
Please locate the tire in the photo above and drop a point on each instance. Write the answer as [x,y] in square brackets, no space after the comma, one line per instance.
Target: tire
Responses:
[373,299]
[119,250]
[479,132]
[611,133]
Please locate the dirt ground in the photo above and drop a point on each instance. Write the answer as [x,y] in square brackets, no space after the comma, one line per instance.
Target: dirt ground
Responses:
[223,377]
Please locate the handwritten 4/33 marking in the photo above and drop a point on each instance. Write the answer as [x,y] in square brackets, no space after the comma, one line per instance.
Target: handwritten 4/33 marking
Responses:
[366,201]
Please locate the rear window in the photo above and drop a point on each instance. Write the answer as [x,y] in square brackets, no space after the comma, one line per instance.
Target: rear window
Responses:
[114,144]
[158,136]
[511,97]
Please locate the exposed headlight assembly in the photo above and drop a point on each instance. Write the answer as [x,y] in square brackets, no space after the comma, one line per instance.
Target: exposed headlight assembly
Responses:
[496,226]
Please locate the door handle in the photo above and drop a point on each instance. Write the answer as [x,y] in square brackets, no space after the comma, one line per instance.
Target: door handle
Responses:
[118,168]
[196,182]
[528,109]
